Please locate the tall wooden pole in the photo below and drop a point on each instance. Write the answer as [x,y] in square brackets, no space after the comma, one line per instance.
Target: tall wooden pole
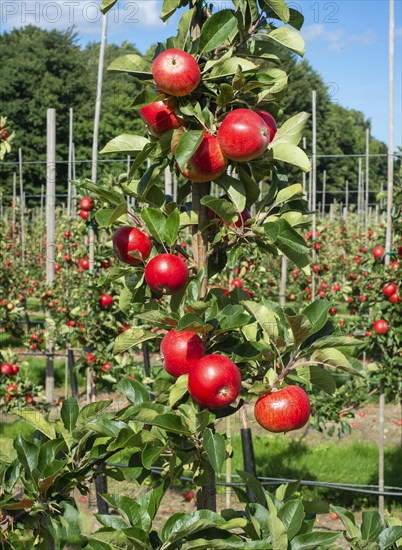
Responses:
[366,205]
[314,181]
[168,182]
[70,164]
[50,237]
[42,200]
[282,288]
[14,197]
[324,184]
[22,208]
[388,235]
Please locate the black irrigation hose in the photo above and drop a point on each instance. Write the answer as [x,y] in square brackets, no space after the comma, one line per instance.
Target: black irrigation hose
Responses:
[279,481]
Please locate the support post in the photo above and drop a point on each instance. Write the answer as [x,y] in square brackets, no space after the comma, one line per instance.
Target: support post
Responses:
[314,182]
[324,184]
[22,208]
[50,239]
[70,165]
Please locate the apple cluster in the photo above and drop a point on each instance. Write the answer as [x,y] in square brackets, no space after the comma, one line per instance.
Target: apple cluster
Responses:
[214,381]
[86,205]
[164,273]
[243,134]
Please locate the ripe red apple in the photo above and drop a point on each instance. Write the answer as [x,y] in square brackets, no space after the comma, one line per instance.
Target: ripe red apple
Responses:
[207,163]
[284,410]
[332,310]
[180,350]
[243,135]
[166,274]
[389,289]
[214,381]
[160,117]
[11,389]
[6,369]
[394,299]
[130,239]
[86,203]
[105,300]
[237,283]
[176,72]
[378,252]
[67,234]
[29,399]
[380,326]
[84,214]
[84,263]
[106,366]
[269,121]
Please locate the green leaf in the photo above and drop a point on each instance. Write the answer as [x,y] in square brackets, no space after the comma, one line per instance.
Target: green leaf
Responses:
[168,8]
[107,5]
[334,358]
[292,515]
[317,314]
[223,208]
[289,38]
[135,392]
[130,338]
[120,210]
[229,67]
[313,540]
[348,521]
[301,328]
[335,341]
[231,317]
[279,539]
[181,525]
[103,216]
[27,453]
[37,420]
[255,486]
[372,525]
[126,143]
[214,445]
[155,221]
[184,28]
[235,190]
[187,146]
[69,413]
[192,322]
[178,390]
[171,228]
[7,451]
[217,30]
[317,376]
[92,410]
[136,65]
[226,95]
[151,453]
[291,130]
[280,8]
[287,152]
[171,423]
[288,193]
[268,320]
[130,509]
[103,192]
[288,241]
[389,537]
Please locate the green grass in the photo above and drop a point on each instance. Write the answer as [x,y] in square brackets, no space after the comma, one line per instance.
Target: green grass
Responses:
[353,463]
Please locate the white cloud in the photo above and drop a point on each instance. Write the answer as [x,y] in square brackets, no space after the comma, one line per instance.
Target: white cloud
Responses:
[83,14]
[336,39]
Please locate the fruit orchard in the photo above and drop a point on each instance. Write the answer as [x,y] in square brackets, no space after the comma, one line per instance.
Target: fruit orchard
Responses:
[198,281]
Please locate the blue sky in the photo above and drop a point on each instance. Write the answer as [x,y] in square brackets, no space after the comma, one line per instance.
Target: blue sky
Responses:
[346,41]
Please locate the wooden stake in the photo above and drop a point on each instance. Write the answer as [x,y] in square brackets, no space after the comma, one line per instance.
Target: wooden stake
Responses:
[50,239]
[314,182]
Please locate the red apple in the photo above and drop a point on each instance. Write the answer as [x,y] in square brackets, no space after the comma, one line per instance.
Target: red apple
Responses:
[243,135]
[180,350]
[106,366]
[284,410]
[176,72]
[84,214]
[86,203]
[67,234]
[207,163]
[214,381]
[84,263]
[269,121]
[160,117]
[378,252]
[394,299]
[105,300]
[166,274]
[130,239]
[380,326]
[6,369]
[389,289]
[237,283]
[11,389]
[332,310]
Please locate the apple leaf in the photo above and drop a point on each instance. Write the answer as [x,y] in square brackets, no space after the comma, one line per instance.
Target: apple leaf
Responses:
[103,216]
[130,338]
[318,539]
[178,390]
[235,190]
[289,38]
[230,67]
[223,208]
[317,314]
[334,358]
[38,421]
[126,143]
[120,210]
[291,130]
[69,413]
[171,229]
[107,5]
[155,221]
[288,193]
[280,8]
[187,146]
[214,445]
[184,28]
[168,9]
[135,392]
[301,328]
[217,30]
[316,376]
[134,64]
[287,152]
